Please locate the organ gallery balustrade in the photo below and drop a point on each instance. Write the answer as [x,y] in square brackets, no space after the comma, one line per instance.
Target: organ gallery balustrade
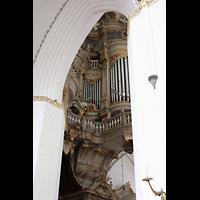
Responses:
[119,120]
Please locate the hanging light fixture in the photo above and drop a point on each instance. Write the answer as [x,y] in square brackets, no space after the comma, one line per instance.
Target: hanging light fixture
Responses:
[153,79]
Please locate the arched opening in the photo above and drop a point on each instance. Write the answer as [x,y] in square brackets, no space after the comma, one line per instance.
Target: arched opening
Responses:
[51,67]
[98,120]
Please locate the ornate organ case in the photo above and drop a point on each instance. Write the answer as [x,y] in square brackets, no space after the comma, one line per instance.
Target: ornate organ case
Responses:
[96,97]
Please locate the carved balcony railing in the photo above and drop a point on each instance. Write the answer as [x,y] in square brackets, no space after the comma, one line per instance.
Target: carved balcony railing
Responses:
[119,120]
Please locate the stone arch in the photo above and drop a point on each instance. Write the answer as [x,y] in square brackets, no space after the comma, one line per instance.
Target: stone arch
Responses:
[65,38]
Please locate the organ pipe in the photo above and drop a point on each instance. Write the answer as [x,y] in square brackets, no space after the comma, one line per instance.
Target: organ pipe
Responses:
[123,79]
[111,84]
[119,81]
[84,89]
[107,81]
[99,93]
[114,95]
[127,80]
[95,93]
[116,82]
[97,90]
[92,92]
[118,85]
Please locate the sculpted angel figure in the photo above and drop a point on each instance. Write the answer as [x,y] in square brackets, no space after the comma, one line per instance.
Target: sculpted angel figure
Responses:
[88,47]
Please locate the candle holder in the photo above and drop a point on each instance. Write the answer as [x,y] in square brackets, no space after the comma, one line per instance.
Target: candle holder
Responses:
[159,193]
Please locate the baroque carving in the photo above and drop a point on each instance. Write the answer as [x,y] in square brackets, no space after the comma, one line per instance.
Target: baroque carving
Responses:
[140,5]
[116,57]
[90,128]
[48,100]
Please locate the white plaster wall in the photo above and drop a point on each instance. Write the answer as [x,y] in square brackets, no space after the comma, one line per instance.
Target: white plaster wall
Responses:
[148,105]
[44,12]
[38,113]
[47,150]
[128,173]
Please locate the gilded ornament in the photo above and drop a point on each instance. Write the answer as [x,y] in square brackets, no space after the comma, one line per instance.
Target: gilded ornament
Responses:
[48,100]
[157,193]
[141,4]
[116,57]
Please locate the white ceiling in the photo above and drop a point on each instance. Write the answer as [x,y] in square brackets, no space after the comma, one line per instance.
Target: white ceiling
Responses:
[44,12]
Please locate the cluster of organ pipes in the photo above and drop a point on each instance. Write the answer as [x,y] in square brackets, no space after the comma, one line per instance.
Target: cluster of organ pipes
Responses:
[92,92]
[119,85]
[119,81]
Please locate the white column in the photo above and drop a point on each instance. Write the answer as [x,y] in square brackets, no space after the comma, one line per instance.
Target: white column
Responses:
[48,132]
[148,106]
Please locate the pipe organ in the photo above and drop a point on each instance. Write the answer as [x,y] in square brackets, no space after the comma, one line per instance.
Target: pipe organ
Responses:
[103,72]
[92,92]
[96,97]
[119,81]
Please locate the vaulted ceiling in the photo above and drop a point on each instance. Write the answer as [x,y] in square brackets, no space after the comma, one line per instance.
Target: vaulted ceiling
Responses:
[44,13]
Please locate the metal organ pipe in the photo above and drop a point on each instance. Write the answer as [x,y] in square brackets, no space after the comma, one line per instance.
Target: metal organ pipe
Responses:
[119,81]
[111,84]
[127,80]
[87,92]
[123,79]
[107,81]
[84,89]
[99,93]
[90,93]
[95,93]
[97,90]
[114,95]
[116,82]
